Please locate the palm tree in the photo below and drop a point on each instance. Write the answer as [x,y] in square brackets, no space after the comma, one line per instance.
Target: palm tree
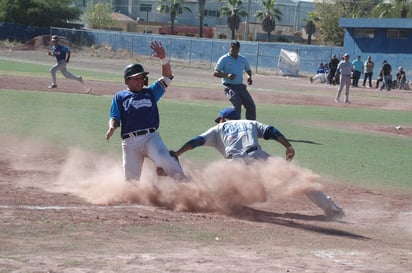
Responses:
[202,4]
[268,16]
[172,7]
[393,9]
[233,11]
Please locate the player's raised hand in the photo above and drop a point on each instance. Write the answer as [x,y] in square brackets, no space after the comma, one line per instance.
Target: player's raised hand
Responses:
[158,49]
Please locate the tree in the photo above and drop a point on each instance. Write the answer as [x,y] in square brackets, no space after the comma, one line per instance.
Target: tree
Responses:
[172,7]
[329,14]
[393,9]
[202,4]
[42,13]
[268,16]
[233,11]
[98,15]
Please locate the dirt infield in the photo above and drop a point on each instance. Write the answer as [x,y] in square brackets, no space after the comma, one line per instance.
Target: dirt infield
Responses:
[52,221]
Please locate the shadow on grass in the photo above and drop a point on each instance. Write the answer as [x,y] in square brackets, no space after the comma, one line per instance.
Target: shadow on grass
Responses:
[304,141]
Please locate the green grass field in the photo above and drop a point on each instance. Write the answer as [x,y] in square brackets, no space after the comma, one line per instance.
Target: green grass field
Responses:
[324,137]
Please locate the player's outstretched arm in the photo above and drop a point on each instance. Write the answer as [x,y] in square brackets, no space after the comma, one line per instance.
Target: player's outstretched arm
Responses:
[273,133]
[191,144]
[290,152]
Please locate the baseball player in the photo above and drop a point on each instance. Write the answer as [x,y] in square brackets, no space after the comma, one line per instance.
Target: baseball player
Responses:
[62,54]
[135,110]
[230,68]
[238,140]
[344,71]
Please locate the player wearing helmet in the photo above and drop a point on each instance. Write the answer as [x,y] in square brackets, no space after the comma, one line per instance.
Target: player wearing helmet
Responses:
[135,110]
[237,139]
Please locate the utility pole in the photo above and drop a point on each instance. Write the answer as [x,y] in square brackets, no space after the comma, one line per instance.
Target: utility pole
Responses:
[246,35]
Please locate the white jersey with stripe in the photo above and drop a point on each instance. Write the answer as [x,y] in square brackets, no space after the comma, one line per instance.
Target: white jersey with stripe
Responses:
[234,137]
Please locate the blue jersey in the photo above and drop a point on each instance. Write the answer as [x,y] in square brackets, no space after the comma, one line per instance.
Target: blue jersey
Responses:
[228,64]
[137,110]
[60,52]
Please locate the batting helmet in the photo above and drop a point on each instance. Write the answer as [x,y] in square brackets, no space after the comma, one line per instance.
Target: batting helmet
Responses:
[134,70]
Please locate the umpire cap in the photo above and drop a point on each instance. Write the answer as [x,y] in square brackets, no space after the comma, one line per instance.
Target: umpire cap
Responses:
[228,113]
[133,70]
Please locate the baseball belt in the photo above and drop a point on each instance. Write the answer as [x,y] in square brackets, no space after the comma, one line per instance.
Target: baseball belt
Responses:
[138,133]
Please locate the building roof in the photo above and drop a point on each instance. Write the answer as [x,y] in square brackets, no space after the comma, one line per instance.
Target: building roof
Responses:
[398,23]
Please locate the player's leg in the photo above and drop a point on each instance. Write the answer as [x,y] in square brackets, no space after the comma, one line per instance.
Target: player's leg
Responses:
[341,85]
[248,102]
[234,98]
[133,156]
[158,152]
[69,75]
[347,90]
[325,202]
[53,71]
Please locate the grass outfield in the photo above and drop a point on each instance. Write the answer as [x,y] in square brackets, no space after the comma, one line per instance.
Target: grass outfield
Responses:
[349,155]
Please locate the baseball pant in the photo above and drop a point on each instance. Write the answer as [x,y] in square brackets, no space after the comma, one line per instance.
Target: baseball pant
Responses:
[61,65]
[135,149]
[344,82]
[238,95]
[387,81]
[368,77]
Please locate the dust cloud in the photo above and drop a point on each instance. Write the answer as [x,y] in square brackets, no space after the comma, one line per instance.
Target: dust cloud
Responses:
[221,186]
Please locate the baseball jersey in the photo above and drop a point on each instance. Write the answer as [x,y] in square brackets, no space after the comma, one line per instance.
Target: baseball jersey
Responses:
[234,137]
[137,110]
[60,52]
[345,68]
[357,65]
[228,64]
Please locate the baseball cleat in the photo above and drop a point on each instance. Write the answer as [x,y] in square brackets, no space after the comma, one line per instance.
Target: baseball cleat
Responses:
[335,212]
[52,86]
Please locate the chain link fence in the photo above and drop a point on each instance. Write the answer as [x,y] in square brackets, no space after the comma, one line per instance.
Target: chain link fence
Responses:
[202,52]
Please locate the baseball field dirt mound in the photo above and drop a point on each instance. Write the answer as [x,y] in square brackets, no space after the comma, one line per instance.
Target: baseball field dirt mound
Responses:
[50,226]
[51,221]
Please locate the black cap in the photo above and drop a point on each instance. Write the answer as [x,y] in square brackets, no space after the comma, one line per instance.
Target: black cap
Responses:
[235,43]
[134,70]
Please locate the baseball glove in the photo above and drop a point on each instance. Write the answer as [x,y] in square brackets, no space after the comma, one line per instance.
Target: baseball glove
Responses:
[173,154]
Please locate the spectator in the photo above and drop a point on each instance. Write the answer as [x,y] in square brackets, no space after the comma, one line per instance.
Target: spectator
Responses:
[386,76]
[401,77]
[321,74]
[368,67]
[333,65]
[357,71]
[379,79]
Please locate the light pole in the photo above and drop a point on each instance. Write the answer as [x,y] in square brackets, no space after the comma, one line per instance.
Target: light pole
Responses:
[246,36]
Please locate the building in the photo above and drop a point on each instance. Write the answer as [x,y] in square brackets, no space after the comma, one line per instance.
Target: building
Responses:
[294,12]
[382,39]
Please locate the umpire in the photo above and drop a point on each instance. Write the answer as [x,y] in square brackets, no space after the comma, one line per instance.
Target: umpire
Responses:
[230,68]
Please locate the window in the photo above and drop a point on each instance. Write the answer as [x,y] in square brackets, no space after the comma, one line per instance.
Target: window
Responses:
[145,7]
[397,34]
[364,33]
[211,13]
